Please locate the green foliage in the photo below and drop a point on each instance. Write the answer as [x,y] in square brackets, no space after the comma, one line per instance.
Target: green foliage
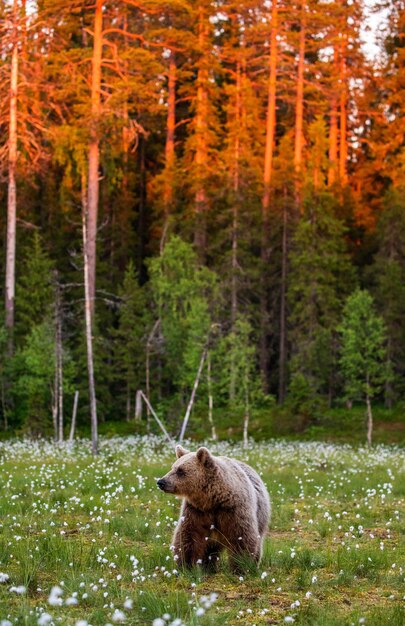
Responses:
[34,370]
[235,360]
[388,279]
[184,295]
[363,353]
[320,275]
[130,337]
[34,288]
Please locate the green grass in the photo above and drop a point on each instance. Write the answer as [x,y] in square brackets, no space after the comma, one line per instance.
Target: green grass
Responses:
[101,530]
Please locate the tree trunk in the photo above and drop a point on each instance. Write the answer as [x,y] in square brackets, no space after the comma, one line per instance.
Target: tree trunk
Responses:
[12,189]
[246,415]
[88,321]
[59,363]
[343,114]
[192,397]
[271,115]
[201,127]
[369,418]
[299,108]
[283,339]
[369,412]
[235,202]
[210,399]
[55,403]
[235,226]
[333,125]
[267,175]
[94,153]
[74,414]
[128,405]
[142,223]
[170,135]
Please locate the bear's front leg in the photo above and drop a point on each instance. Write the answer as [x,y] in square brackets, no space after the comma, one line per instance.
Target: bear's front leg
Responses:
[189,539]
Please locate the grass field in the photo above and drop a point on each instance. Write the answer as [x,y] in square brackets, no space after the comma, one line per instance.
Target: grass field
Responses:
[86,541]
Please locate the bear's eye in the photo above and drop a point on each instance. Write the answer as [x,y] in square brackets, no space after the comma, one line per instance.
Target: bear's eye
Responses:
[180,472]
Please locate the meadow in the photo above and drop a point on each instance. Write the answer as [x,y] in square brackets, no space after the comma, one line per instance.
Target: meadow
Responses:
[86,541]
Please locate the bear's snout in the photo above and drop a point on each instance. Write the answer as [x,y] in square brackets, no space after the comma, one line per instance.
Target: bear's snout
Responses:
[161,483]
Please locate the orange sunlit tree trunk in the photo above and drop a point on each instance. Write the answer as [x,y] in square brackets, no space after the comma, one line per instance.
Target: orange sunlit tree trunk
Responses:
[299,107]
[94,151]
[343,111]
[267,177]
[170,136]
[201,128]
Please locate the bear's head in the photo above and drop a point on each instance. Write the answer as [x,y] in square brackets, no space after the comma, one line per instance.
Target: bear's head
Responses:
[191,476]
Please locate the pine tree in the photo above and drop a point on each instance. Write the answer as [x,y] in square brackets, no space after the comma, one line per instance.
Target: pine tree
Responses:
[184,295]
[320,276]
[130,340]
[363,354]
[388,277]
[35,288]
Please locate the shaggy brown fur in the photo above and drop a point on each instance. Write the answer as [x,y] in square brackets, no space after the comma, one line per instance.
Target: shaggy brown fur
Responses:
[225,505]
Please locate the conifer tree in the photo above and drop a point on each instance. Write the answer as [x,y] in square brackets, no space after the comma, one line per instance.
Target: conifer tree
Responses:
[130,340]
[319,276]
[363,355]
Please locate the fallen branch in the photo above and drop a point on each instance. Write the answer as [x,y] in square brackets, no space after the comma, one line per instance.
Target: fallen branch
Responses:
[148,404]
[192,397]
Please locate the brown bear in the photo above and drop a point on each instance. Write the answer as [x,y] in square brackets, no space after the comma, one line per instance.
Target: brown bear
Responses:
[225,505]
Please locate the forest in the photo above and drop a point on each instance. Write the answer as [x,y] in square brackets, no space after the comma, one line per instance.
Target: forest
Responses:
[200,195]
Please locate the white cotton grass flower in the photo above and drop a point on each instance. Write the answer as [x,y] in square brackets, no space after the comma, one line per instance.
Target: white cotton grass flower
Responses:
[72,601]
[19,589]
[158,622]
[82,622]
[128,604]
[5,622]
[55,598]
[44,619]
[4,577]
[288,619]
[118,616]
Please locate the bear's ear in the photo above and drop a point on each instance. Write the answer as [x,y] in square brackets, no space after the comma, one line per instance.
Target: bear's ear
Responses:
[180,451]
[205,457]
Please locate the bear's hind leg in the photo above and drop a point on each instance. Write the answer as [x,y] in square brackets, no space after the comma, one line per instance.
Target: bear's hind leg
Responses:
[246,549]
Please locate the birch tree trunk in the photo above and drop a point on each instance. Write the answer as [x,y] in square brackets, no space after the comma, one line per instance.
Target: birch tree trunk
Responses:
[369,415]
[74,414]
[210,399]
[267,174]
[88,322]
[59,363]
[94,152]
[193,394]
[246,417]
[12,188]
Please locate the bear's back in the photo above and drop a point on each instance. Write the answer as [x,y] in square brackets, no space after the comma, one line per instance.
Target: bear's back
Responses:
[262,496]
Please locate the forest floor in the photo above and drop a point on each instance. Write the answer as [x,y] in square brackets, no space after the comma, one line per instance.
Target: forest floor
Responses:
[87,541]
